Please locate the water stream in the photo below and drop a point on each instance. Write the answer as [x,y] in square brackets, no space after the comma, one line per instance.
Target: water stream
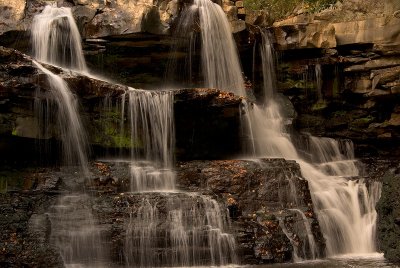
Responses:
[220,61]
[345,206]
[169,228]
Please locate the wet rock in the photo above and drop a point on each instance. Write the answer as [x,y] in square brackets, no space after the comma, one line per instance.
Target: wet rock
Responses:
[262,193]
[389,213]
[207,120]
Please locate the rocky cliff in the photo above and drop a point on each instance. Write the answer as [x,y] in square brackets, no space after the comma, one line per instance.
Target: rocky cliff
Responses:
[236,184]
[24,91]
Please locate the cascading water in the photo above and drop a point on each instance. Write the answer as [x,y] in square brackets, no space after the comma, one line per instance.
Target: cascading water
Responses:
[220,61]
[167,228]
[75,232]
[178,229]
[150,115]
[56,39]
[345,207]
[70,126]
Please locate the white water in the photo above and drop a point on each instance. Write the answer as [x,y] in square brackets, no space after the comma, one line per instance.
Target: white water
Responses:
[56,39]
[75,232]
[345,208]
[178,230]
[152,125]
[70,127]
[220,61]
[167,228]
[152,131]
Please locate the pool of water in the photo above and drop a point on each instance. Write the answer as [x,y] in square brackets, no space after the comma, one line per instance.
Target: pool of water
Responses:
[346,261]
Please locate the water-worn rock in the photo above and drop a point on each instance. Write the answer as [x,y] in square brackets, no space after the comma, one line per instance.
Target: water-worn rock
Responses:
[389,213]
[207,120]
[259,194]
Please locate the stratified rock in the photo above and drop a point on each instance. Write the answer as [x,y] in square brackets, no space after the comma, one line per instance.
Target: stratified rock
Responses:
[259,194]
[207,124]
[207,120]
[296,35]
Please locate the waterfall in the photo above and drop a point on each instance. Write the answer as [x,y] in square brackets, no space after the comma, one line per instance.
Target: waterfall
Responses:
[56,39]
[345,206]
[75,233]
[167,228]
[220,61]
[190,228]
[70,126]
[152,125]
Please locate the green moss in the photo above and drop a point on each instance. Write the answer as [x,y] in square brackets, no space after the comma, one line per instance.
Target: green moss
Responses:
[339,113]
[320,105]
[3,185]
[14,132]
[362,122]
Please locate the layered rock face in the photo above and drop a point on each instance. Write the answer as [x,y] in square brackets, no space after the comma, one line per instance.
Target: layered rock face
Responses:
[340,69]
[261,196]
[25,93]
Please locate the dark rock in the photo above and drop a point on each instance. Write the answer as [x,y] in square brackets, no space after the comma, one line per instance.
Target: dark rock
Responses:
[207,120]
[259,195]
[389,212]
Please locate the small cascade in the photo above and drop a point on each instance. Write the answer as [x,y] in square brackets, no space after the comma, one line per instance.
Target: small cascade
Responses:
[56,39]
[70,127]
[152,125]
[345,206]
[268,65]
[152,139]
[146,177]
[178,230]
[318,81]
[220,61]
[292,239]
[312,246]
[75,232]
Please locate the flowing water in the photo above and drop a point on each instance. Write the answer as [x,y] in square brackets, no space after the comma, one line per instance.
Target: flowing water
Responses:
[75,232]
[70,127]
[318,80]
[220,61]
[56,39]
[345,205]
[167,228]
[194,225]
[178,230]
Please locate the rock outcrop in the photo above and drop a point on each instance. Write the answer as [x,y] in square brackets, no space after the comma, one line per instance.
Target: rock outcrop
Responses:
[199,113]
[258,194]
[340,69]
[261,195]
